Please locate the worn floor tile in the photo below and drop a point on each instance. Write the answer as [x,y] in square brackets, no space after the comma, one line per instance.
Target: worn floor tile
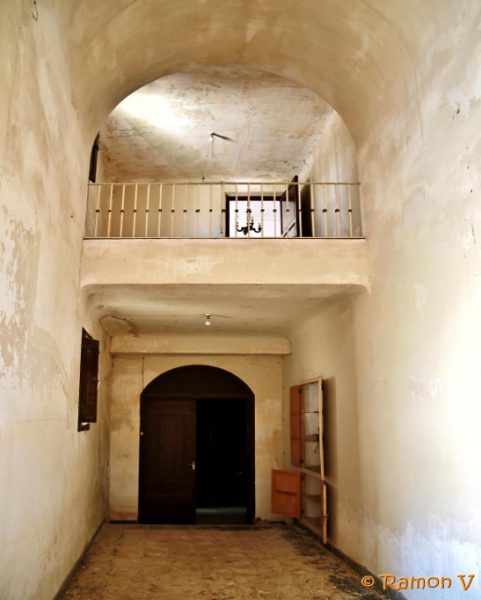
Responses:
[266,562]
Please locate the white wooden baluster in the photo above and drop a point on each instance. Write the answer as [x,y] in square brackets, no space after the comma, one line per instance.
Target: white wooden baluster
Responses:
[122,210]
[134,217]
[338,212]
[236,224]
[172,212]
[210,210]
[324,210]
[299,209]
[262,210]
[111,202]
[147,211]
[349,208]
[97,211]
[249,218]
[159,210]
[197,212]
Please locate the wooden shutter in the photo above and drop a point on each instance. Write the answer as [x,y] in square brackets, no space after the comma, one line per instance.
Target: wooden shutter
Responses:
[296,425]
[286,493]
[89,362]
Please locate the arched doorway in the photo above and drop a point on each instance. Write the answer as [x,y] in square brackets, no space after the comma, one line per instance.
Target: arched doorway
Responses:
[196,448]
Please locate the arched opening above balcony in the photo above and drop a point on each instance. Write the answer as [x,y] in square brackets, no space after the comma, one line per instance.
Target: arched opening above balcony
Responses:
[225,152]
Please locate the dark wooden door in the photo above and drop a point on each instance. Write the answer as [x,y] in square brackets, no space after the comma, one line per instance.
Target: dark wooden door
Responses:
[167,461]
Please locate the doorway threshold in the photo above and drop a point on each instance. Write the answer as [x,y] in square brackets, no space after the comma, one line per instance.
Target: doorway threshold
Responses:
[221,515]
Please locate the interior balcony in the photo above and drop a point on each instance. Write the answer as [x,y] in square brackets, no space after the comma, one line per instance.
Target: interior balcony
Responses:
[156,257]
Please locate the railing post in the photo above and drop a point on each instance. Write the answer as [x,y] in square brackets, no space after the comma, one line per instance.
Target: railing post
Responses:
[159,210]
[248,211]
[236,225]
[299,208]
[97,212]
[313,204]
[109,220]
[262,210]
[134,216]
[337,212]
[324,210]
[147,211]
[122,210]
[210,210]
[349,208]
[172,212]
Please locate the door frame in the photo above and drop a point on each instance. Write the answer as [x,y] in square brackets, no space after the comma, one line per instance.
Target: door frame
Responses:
[247,395]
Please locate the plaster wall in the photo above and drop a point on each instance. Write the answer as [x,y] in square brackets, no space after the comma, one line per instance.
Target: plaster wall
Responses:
[51,477]
[405,78]
[130,375]
[417,332]
[323,347]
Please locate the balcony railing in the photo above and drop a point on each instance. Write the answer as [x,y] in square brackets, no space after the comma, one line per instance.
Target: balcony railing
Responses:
[224,210]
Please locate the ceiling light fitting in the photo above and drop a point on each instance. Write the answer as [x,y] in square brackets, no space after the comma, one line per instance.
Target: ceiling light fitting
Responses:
[249,226]
[207,322]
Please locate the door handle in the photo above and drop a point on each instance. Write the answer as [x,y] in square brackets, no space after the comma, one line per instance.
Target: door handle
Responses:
[192,465]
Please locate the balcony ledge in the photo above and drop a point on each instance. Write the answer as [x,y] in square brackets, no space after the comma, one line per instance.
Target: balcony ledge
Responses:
[294,261]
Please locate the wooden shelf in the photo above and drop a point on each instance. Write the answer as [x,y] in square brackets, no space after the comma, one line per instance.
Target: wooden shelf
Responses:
[307,454]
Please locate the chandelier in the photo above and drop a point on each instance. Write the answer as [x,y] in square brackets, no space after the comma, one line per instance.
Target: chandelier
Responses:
[249,226]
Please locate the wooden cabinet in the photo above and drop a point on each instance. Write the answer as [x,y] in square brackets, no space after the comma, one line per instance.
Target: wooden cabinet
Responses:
[286,493]
[307,459]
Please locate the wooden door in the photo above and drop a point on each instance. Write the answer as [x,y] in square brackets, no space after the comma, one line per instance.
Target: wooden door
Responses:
[286,493]
[167,461]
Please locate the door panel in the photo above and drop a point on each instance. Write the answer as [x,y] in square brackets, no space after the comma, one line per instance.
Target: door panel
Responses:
[167,461]
[286,493]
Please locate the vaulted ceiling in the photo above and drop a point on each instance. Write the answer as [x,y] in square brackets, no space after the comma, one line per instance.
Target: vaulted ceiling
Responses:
[266,127]
[353,53]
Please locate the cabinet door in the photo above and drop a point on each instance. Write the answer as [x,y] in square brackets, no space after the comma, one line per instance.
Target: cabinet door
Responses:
[286,493]
[296,425]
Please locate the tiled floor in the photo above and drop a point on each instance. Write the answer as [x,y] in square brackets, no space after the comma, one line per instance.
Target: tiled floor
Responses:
[134,562]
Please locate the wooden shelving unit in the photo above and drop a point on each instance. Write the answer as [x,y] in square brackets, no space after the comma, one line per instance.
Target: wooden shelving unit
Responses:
[307,454]
[301,492]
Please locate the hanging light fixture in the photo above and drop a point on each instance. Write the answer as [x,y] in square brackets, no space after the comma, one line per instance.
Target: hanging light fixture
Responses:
[207,322]
[249,226]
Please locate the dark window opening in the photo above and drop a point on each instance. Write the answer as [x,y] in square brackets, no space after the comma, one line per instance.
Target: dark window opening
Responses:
[89,366]
[94,159]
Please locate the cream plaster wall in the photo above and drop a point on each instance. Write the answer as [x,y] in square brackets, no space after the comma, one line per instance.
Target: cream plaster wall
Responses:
[404,75]
[52,477]
[417,333]
[323,347]
[130,375]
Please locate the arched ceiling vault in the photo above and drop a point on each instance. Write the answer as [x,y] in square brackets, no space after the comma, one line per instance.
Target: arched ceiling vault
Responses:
[356,54]
[341,50]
